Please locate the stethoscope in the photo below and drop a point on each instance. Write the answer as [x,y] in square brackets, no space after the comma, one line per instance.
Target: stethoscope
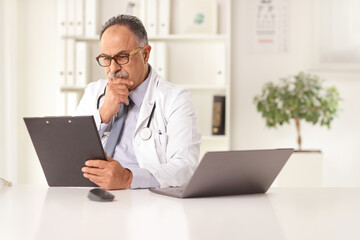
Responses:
[145,133]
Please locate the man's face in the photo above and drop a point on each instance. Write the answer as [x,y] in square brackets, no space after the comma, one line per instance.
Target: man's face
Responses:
[119,39]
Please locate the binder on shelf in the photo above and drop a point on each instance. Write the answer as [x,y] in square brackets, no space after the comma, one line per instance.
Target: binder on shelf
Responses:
[70,60]
[152,55]
[61,17]
[61,104]
[70,6]
[81,64]
[143,12]
[151,17]
[79,17]
[72,99]
[161,59]
[164,17]
[220,59]
[218,121]
[60,62]
[92,17]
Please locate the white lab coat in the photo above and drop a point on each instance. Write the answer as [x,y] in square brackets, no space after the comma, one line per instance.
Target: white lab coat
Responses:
[171,156]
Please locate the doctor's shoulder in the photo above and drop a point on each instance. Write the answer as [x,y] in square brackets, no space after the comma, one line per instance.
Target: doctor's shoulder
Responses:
[173,96]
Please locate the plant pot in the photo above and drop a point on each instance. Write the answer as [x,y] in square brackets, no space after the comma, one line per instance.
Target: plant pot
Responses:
[303,169]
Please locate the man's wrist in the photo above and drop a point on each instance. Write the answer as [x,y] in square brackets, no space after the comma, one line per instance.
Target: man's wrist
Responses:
[129,178]
[103,117]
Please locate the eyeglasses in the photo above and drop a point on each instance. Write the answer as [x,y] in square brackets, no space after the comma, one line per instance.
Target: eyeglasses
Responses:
[120,58]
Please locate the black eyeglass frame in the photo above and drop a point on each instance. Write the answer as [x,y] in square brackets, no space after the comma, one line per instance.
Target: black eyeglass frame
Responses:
[122,54]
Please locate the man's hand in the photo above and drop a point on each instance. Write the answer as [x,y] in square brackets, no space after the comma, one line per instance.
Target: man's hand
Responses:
[108,174]
[117,92]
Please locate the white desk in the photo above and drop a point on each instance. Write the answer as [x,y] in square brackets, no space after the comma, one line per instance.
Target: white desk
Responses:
[30,212]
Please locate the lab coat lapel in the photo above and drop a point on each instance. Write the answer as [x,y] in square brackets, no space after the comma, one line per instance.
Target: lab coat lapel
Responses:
[147,103]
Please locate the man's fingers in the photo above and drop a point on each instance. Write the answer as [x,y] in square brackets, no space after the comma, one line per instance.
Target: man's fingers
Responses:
[96,163]
[118,94]
[92,170]
[95,179]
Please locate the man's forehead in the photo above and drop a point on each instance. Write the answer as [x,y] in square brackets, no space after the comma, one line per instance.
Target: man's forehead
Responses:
[116,39]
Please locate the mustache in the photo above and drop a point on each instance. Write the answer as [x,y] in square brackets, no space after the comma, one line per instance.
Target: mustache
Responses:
[118,74]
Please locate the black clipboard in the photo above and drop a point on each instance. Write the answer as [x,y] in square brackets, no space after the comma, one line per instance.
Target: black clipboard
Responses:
[63,144]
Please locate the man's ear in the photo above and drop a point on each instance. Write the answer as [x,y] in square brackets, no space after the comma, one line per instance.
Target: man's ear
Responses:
[146,53]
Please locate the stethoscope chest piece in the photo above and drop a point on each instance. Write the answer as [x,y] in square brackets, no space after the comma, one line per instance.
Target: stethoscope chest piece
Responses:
[145,133]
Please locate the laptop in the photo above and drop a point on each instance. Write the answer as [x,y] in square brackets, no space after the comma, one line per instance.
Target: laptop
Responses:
[63,144]
[232,173]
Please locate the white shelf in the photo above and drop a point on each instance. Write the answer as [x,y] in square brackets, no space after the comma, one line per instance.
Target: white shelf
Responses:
[187,37]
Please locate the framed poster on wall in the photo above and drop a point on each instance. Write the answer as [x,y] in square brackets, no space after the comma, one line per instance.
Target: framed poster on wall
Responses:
[269,26]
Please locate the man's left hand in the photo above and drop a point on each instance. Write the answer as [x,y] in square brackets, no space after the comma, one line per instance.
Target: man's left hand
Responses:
[109,174]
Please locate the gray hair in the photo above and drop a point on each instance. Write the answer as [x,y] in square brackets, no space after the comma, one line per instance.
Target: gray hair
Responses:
[132,23]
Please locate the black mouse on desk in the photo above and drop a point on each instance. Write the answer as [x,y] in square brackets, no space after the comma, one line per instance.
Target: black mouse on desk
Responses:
[100,195]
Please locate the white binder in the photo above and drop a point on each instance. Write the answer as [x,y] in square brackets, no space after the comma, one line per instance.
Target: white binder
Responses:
[61,104]
[161,59]
[143,12]
[81,64]
[60,62]
[70,57]
[79,17]
[72,99]
[152,55]
[70,5]
[92,12]
[61,17]
[158,58]
[152,17]
[220,58]
[164,17]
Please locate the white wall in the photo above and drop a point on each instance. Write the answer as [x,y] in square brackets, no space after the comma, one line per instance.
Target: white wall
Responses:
[9,56]
[250,71]
[37,85]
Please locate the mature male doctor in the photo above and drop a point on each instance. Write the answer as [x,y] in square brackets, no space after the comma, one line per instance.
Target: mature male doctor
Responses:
[159,139]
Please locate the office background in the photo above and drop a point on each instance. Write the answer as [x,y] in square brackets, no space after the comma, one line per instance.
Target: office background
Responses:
[27,67]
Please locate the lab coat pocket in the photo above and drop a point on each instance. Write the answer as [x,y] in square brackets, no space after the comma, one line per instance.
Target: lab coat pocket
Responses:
[147,153]
[163,139]
[161,143]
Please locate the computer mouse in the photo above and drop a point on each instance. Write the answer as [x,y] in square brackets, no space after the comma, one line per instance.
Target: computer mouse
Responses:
[100,195]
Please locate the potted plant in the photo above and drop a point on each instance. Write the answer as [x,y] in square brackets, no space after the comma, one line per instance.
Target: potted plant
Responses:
[301,97]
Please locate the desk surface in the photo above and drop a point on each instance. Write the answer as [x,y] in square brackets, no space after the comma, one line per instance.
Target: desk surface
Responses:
[34,212]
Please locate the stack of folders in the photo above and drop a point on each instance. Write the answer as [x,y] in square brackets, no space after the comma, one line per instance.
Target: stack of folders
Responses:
[155,15]
[78,17]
